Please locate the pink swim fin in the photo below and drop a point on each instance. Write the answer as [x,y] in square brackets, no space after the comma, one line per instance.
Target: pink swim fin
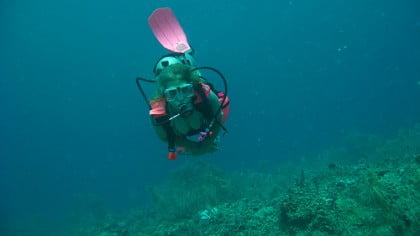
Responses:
[168,31]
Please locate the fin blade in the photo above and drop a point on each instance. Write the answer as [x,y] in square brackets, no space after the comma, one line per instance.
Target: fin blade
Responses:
[168,31]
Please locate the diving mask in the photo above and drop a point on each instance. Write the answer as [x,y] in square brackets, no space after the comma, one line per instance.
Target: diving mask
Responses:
[179,93]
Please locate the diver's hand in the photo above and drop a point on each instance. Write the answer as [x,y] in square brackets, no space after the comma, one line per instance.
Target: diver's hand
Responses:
[189,148]
[184,151]
[180,149]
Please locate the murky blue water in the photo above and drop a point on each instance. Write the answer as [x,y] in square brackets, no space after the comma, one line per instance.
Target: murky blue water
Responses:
[75,133]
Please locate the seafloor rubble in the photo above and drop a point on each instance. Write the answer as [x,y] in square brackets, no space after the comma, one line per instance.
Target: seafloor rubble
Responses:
[369,186]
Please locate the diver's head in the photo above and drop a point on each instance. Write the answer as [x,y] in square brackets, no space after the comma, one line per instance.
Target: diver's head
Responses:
[176,84]
[180,97]
[172,59]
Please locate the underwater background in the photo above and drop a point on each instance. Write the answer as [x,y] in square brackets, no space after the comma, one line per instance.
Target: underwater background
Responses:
[76,140]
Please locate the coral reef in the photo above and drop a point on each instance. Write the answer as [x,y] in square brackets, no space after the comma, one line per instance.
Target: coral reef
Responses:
[368,188]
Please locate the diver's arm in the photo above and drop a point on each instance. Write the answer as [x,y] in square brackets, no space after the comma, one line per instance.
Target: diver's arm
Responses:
[196,148]
[210,143]
[191,148]
[160,132]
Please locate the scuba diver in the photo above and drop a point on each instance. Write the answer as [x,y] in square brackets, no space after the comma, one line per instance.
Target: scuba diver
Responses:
[186,110]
